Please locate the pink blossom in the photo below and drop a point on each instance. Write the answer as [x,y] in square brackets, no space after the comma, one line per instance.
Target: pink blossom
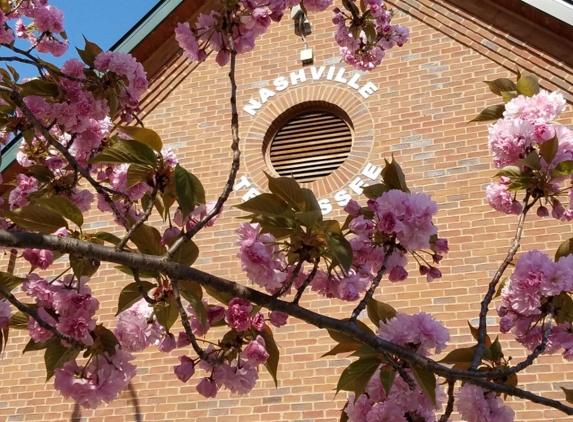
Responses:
[508,140]
[353,208]
[48,19]
[167,343]
[215,313]
[40,290]
[185,370]
[5,314]
[258,321]
[238,314]
[185,36]
[237,379]
[207,388]
[278,319]
[183,340]
[255,353]
[357,410]
[499,197]
[475,405]
[39,334]
[134,330]
[83,198]
[6,33]
[541,108]
[102,380]
[41,258]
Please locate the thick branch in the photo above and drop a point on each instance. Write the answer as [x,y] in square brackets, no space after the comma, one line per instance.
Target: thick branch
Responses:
[482,330]
[67,245]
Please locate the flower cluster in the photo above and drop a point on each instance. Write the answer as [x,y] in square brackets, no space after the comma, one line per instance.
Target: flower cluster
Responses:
[401,404]
[539,288]
[522,145]
[364,35]
[477,405]
[99,381]
[67,305]
[137,329]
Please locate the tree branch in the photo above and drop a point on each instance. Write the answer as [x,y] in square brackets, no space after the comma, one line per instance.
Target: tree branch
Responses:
[139,222]
[482,330]
[450,406]
[18,239]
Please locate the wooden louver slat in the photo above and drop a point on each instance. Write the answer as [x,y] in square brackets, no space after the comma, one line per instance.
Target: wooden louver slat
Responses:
[310,146]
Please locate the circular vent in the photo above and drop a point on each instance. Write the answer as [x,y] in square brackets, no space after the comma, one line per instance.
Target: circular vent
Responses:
[311,144]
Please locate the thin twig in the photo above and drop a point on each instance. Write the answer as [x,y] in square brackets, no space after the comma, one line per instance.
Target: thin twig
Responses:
[450,406]
[400,370]
[306,282]
[33,62]
[34,314]
[140,287]
[235,164]
[140,221]
[362,305]
[482,330]
[291,279]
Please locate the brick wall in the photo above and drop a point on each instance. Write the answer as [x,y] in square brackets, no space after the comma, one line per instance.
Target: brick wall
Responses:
[427,91]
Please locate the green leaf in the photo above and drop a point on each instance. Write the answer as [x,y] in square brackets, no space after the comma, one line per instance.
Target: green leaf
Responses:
[461,355]
[343,338]
[222,297]
[83,266]
[107,237]
[356,376]
[510,171]
[340,249]
[187,254]
[387,377]
[393,176]
[272,363]
[507,96]
[55,357]
[89,53]
[166,313]
[342,348]
[42,173]
[568,394]
[527,84]
[145,136]
[564,249]
[494,112]
[379,311]
[128,152]
[427,382]
[375,191]
[365,351]
[563,308]
[502,84]
[266,204]
[137,173]
[310,201]
[289,191]
[564,168]
[63,206]
[36,219]
[33,346]
[193,293]
[18,321]
[343,414]
[142,273]
[130,295]
[106,339]
[148,240]
[41,88]
[532,161]
[309,218]
[548,149]
[495,348]
[475,333]
[185,191]
[10,281]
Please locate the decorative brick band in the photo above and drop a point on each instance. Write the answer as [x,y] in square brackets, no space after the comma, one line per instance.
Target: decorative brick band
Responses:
[318,92]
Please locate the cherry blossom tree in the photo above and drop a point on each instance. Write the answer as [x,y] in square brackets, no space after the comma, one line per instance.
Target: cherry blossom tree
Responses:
[83,147]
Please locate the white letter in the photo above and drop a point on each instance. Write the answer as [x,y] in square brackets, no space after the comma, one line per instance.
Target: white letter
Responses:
[243,183]
[252,107]
[339,77]
[367,90]
[317,74]
[342,198]
[371,171]
[295,77]
[325,206]
[353,80]
[330,73]
[250,194]
[265,94]
[356,185]
[280,83]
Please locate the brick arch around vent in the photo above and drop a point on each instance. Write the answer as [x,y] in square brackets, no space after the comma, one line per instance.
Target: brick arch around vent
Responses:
[348,100]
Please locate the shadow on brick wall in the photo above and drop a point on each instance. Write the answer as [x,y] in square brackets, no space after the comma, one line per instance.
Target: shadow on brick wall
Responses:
[137,415]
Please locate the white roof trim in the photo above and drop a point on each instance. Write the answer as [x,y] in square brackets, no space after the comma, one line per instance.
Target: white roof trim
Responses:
[556,8]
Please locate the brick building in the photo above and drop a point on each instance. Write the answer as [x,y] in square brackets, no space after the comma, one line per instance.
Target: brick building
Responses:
[416,106]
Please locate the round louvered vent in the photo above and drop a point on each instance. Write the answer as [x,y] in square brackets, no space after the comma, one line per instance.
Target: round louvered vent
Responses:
[311,143]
